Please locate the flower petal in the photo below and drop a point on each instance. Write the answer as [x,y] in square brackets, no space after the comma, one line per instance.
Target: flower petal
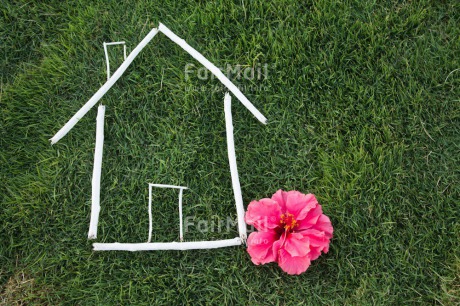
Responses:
[316,238]
[324,224]
[315,252]
[297,244]
[319,241]
[278,244]
[310,219]
[300,204]
[264,214]
[280,197]
[292,264]
[260,247]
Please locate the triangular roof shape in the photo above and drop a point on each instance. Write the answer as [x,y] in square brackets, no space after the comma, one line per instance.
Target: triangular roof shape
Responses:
[184,45]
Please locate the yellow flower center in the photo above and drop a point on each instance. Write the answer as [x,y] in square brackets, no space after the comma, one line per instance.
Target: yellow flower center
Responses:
[288,222]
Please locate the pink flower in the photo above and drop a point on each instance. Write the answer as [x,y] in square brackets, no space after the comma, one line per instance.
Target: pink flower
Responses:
[292,230]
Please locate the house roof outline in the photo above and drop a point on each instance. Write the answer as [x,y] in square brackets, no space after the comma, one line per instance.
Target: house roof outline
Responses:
[95,198]
[126,63]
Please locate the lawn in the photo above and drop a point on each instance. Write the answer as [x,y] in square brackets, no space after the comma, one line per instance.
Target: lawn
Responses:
[363,107]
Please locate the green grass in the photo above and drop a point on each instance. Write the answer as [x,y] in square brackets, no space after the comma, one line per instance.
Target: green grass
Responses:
[362,111]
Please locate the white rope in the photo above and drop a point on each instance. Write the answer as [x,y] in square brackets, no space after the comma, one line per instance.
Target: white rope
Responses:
[168,186]
[114,43]
[107,54]
[233,167]
[181,246]
[96,181]
[214,70]
[107,63]
[150,214]
[101,92]
[181,230]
